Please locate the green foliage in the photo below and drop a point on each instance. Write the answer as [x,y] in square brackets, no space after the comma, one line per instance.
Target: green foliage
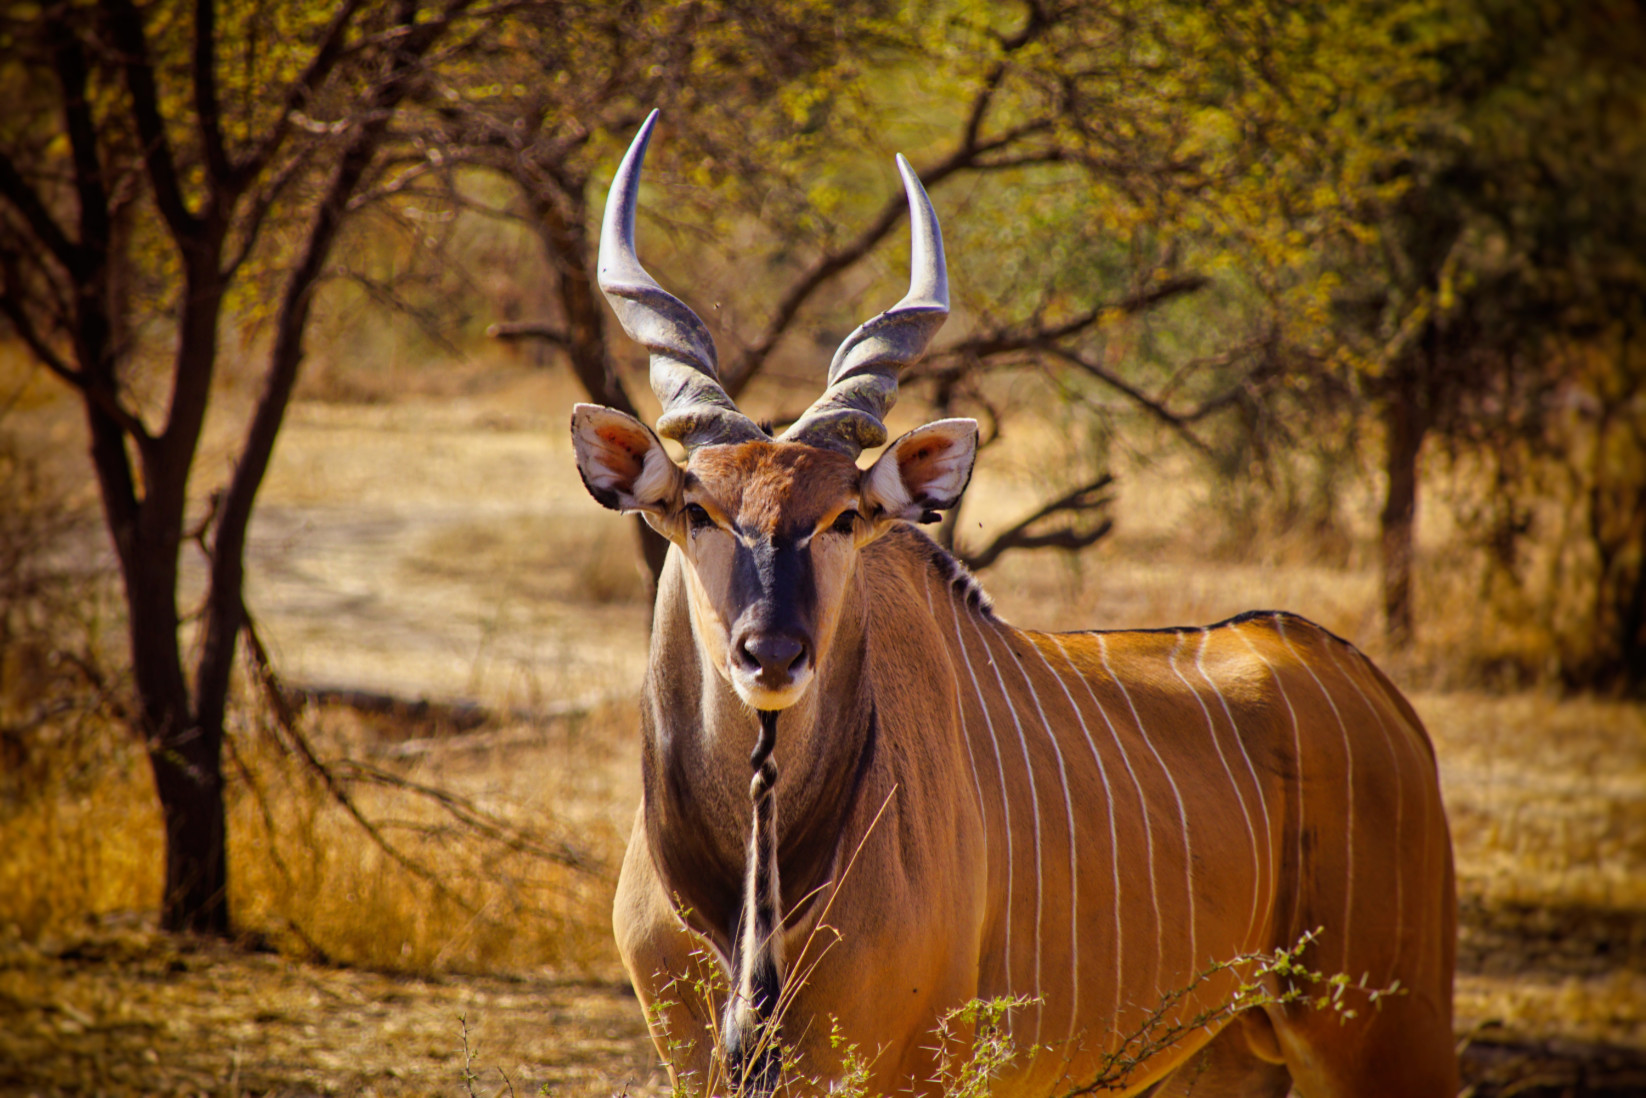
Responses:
[968,1068]
[1262,980]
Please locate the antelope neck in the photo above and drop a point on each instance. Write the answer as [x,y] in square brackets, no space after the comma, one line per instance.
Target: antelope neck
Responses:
[698,735]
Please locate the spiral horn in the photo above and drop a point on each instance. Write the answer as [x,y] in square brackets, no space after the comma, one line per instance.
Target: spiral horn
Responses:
[684,369]
[849,416]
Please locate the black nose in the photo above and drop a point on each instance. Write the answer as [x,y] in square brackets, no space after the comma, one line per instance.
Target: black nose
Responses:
[778,657]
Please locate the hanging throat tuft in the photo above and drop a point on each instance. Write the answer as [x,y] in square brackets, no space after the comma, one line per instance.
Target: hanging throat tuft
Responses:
[753,1059]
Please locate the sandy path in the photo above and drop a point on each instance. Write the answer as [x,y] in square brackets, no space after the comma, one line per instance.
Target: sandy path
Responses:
[442,550]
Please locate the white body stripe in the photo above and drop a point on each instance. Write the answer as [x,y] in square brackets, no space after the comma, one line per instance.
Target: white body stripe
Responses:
[1400,812]
[1349,793]
[1068,810]
[1143,803]
[1182,813]
[1211,731]
[1108,797]
[1251,768]
[1034,808]
[965,736]
[1000,767]
[1297,746]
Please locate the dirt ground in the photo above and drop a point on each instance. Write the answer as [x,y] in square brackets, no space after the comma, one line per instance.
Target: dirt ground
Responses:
[127,1012]
[444,549]
[134,1012]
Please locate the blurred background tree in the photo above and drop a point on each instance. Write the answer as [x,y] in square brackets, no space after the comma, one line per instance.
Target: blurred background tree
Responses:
[1497,311]
[1108,164]
[545,101]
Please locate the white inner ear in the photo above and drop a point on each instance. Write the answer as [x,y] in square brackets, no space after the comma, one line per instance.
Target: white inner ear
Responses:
[609,446]
[652,485]
[932,480]
[885,486]
[603,476]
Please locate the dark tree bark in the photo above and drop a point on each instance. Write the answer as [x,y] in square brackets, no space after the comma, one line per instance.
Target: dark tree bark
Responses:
[560,215]
[1632,626]
[1405,423]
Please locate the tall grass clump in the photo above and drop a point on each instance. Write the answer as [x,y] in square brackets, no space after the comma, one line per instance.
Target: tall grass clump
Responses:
[449,864]
[77,813]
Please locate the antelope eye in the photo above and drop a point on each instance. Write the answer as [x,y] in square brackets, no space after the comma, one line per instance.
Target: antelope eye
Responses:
[698,517]
[844,523]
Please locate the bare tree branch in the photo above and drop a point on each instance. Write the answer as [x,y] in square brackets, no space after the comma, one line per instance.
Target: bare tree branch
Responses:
[471,815]
[1076,502]
[251,225]
[1136,395]
[832,263]
[512,330]
[285,359]
[127,26]
[1008,340]
[15,189]
[208,113]
[11,304]
[386,294]
[302,89]
[298,744]
[106,400]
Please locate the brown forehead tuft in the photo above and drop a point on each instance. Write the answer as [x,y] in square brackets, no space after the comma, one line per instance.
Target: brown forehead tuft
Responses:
[771,486]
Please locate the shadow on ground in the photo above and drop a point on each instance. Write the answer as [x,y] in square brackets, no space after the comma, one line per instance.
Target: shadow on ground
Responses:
[1551,939]
[1495,1065]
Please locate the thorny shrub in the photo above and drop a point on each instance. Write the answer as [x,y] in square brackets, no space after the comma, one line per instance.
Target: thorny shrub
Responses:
[968,1066]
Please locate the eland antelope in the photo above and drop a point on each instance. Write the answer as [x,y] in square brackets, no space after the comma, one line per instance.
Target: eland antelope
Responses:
[948,808]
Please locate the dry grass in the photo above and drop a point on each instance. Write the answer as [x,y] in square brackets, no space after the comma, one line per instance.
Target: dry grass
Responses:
[1547,802]
[1547,798]
[78,849]
[425,893]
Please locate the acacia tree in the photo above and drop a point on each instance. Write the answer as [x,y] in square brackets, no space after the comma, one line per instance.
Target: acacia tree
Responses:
[1146,188]
[1503,292]
[154,155]
[1151,190]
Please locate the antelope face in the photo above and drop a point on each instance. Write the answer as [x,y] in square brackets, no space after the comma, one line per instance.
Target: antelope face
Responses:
[770,531]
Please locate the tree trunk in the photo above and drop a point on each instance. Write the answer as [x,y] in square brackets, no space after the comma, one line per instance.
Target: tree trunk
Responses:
[1404,425]
[181,723]
[184,757]
[1632,629]
[184,754]
[186,761]
[184,739]
[566,243]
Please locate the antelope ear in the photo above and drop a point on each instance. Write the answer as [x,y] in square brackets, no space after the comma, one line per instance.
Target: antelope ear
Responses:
[926,470]
[622,463]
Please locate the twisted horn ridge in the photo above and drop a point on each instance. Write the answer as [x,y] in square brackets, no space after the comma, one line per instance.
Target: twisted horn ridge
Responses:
[684,373]
[863,376]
